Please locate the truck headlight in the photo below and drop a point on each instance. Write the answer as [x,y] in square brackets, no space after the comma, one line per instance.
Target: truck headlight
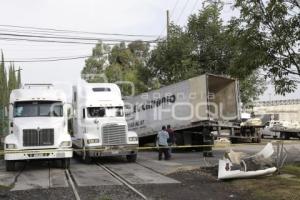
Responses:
[10,146]
[65,144]
[133,139]
[91,141]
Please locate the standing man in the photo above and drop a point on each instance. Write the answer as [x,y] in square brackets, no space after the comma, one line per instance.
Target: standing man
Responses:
[171,140]
[162,143]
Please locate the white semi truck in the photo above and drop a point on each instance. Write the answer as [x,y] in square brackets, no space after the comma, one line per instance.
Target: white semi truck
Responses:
[37,126]
[194,108]
[99,125]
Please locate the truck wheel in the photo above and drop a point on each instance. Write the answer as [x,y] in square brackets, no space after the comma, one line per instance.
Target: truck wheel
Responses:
[65,163]
[131,158]
[10,165]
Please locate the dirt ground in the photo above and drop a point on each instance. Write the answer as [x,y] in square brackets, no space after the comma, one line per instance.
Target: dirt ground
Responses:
[195,184]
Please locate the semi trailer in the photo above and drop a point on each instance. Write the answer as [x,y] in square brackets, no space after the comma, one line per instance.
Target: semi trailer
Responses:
[99,125]
[37,126]
[194,108]
[284,129]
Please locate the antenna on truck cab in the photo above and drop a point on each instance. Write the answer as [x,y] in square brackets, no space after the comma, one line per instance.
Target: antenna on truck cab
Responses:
[29,85]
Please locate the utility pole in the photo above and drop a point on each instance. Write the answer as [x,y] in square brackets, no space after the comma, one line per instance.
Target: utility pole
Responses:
[168,24]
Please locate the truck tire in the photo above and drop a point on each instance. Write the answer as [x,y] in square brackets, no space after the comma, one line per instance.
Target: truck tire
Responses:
[65,163]
[10,165]
[131,158]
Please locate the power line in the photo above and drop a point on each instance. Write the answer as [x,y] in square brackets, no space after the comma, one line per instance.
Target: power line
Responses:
[37,33]
[72,38]
[172,11]
[45,60]
[46,41]
[69,42]
[76,31]
[52,57]
[183,9]
[195,6]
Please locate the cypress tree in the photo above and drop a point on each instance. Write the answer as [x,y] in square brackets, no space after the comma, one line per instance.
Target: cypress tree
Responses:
[10,79]
[3,94]
[19,78]
[1,81]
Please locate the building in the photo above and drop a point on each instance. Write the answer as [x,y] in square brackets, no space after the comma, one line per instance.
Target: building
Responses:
[286,110]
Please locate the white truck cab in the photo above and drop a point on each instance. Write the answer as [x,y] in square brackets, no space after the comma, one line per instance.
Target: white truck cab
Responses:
[37,126]
[99,124]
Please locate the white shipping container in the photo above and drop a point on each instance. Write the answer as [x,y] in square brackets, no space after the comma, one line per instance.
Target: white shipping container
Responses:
[206,99]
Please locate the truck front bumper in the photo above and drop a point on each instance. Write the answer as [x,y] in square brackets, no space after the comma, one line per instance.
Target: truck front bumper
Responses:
[101,151]
[34,154]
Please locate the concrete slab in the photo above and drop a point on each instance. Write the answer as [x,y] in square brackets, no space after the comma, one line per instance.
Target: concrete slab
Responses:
[32,179]
[137,174]
[6,178]
[58,178]
[91,175]
[162,167]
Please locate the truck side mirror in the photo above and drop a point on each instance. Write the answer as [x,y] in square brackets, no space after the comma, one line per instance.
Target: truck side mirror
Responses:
[69,110]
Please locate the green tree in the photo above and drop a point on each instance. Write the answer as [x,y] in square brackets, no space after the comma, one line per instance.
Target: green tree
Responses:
[12,79]
[129,63]
[171,60]
[205,46]
[268,34]
[3,95]
[6,86]
[19,79]
[96,64]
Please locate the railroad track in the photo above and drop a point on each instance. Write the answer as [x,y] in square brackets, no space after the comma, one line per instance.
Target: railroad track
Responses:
[125,183]
[122,180]
[72,184]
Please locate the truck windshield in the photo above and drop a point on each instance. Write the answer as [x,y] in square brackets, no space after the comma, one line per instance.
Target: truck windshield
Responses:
[38,109]
[105,111]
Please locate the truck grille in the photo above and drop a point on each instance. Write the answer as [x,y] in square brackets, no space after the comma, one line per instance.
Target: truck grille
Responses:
[34,137]
[114,134]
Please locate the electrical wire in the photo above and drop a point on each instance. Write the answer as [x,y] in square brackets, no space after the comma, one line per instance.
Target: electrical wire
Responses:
[76,31]
[183,9]
[71,38]
[173,10]
[46,41]
[45,60]
[195,6]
